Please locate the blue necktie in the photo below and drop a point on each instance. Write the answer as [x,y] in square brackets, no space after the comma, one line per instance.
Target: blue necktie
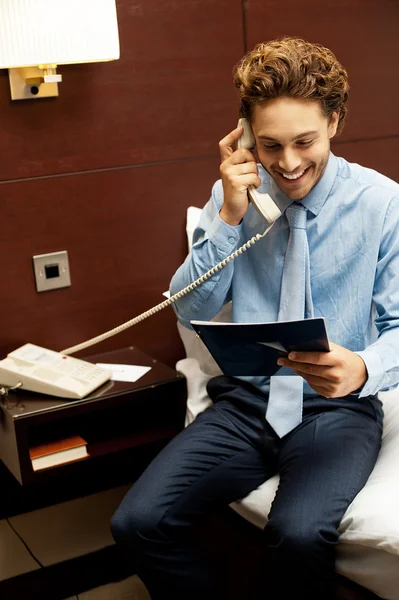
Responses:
[284,409]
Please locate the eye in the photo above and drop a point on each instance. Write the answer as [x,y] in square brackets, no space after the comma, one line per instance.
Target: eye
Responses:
[270,146]
[305,142]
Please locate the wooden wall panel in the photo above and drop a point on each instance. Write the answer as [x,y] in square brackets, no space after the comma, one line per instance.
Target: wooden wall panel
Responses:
[107,169]
[379,154]
[169,96]
[364,36]
[124,231]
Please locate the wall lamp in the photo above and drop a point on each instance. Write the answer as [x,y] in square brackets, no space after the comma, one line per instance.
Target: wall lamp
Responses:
[38,35]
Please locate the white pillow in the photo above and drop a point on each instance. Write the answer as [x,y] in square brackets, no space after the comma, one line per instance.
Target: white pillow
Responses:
[192,218]
[197,397]
[193,344]
[195,347]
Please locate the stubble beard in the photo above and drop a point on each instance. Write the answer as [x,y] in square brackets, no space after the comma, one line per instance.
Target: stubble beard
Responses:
[300,193]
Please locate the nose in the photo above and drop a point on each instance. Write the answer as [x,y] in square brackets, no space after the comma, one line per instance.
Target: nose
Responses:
[289,160]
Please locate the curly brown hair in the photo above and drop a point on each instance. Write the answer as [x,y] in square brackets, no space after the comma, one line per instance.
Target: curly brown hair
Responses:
[292,67]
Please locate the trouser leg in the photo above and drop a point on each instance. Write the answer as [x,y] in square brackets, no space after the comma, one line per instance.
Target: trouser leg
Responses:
[211,463]
[323,464]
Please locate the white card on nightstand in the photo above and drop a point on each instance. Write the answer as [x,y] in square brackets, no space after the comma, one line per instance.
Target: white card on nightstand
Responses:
[125,372]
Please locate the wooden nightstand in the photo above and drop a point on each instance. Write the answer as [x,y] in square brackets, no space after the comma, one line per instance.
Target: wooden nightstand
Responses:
[116,417]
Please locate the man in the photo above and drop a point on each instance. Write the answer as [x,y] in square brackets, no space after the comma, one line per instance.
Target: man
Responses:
[294,95]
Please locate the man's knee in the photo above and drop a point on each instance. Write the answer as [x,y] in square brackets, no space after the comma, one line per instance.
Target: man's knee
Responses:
[134,520]
[299,540]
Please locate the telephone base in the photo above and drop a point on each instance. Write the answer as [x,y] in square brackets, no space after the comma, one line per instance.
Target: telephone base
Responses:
[43,371]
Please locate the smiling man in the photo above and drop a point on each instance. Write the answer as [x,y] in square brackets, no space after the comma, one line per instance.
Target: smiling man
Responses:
[294,95]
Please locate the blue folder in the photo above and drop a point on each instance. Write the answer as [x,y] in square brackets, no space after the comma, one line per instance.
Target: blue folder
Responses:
[253,348]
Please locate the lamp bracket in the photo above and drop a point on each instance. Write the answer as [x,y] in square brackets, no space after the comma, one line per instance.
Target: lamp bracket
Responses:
[34,82]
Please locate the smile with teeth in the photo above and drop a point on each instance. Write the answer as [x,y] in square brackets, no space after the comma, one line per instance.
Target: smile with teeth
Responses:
[293,176]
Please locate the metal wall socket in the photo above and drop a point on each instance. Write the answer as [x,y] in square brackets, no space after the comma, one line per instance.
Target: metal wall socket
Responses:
[51,271]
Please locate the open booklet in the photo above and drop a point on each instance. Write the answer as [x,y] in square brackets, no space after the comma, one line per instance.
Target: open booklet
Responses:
[253,348]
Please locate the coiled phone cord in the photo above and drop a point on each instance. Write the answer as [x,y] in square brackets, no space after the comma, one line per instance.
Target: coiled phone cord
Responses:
[170,300]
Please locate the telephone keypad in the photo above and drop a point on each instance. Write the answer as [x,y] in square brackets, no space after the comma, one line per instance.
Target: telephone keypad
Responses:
[79,370]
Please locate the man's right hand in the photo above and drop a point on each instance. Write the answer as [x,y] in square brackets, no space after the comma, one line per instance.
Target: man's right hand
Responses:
[238,171]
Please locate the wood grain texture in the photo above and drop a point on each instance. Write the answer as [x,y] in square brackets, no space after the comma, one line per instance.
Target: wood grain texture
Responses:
[169,96]
[380,154]
[362,34]
[124,231]
[107,169]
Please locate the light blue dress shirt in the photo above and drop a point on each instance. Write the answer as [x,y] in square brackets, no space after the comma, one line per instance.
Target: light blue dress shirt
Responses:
[353,234]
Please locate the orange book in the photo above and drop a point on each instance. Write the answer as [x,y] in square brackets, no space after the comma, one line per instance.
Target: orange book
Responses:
[58,452]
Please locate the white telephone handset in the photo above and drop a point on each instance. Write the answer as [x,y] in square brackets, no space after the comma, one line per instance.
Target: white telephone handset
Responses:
[40,370]
[262,202]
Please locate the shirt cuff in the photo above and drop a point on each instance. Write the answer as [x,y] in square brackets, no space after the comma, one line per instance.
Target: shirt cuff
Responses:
[223,235]
[375,372]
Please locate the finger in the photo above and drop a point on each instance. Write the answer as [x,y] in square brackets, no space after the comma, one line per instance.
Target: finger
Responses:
[322,391]
[317,384]
[227,144]
[311,369]
[241,156]
[314,380]
[241,169]
[244,181]
[314,358]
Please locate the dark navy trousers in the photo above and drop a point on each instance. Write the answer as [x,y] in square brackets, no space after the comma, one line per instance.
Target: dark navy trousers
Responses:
[228,451]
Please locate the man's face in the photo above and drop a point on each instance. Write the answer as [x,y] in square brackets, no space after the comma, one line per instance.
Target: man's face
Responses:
[293,142]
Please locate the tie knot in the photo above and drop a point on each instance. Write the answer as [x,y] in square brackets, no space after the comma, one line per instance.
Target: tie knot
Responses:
[296,216]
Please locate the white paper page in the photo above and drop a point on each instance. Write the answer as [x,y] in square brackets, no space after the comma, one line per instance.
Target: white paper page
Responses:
[275,345]
[125,372]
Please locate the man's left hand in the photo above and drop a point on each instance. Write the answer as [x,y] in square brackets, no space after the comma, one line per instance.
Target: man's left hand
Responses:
[331,374]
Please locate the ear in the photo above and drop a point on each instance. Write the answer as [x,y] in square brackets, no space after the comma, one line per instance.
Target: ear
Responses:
[333,125]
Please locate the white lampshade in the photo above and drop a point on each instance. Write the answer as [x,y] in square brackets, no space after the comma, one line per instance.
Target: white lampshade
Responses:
[40,32]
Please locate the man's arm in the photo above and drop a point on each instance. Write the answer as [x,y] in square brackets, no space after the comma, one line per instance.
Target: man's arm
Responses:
[382,357]
[217,235]
[213,240]
[340,372]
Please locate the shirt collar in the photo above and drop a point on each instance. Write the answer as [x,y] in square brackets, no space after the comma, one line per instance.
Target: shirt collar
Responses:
[317,196]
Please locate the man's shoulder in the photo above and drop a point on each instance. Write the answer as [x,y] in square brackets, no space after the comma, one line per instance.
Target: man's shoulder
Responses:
[365,176]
